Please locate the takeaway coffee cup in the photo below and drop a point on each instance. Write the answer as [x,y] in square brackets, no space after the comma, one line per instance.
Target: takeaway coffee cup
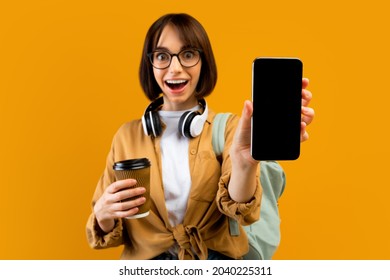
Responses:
[138,169]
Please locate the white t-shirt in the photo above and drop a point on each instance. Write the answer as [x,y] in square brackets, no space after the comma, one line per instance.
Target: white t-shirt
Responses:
[175,166]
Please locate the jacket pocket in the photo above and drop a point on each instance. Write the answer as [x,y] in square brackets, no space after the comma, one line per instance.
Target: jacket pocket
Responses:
[205,177]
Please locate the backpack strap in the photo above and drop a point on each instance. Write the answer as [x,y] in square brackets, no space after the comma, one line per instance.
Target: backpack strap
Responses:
[218,137]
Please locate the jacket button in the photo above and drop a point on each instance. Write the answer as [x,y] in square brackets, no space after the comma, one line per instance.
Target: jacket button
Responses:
[193,152]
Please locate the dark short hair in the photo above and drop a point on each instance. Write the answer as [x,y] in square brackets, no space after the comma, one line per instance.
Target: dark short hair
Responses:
[192,34]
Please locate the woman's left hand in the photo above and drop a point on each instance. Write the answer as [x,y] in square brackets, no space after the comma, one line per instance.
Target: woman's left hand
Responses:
[243,165]
[242,137]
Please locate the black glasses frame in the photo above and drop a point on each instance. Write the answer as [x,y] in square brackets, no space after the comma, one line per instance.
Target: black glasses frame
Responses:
[171,55]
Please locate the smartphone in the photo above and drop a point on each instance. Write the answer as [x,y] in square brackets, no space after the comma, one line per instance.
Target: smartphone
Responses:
[277,101]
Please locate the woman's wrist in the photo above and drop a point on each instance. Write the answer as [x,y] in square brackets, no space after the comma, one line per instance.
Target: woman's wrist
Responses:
[242,160]
[106,225]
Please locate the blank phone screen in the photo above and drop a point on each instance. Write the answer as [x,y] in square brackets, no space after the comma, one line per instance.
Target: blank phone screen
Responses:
[276,120]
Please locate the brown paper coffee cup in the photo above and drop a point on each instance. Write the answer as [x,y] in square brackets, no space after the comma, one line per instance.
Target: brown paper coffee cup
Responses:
[138,169]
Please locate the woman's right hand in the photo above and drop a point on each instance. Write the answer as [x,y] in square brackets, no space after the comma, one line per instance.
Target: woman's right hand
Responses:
[110,206]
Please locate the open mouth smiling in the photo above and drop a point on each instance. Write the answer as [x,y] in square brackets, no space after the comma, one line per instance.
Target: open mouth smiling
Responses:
[176,84]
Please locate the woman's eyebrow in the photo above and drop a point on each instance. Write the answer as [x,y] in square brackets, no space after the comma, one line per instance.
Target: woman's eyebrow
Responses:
[161,49]
[167,50]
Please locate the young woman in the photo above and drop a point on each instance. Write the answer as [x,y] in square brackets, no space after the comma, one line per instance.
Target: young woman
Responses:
[192,193]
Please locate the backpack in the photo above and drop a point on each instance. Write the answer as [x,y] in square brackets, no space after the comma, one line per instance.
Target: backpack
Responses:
[264,234]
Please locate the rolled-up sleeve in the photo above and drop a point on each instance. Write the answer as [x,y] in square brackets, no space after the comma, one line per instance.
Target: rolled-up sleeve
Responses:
[245,213]
[98,239]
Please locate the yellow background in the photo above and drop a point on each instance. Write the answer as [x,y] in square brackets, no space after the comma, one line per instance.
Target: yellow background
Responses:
[69,79]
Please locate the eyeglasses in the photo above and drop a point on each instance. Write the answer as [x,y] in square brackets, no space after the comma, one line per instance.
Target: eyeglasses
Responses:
[162,59]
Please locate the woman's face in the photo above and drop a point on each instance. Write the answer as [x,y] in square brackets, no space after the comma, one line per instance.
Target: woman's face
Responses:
[177,83]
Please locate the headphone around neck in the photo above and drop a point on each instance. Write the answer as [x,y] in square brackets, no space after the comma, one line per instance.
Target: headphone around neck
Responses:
[190,123]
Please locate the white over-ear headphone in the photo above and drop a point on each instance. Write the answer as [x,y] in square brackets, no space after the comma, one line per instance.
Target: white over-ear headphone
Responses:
[190,123]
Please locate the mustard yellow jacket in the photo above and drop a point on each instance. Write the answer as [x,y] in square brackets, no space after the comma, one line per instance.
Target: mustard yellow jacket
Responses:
[205,223]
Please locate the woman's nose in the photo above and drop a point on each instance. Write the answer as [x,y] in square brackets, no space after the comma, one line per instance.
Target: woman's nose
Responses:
[175,65]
